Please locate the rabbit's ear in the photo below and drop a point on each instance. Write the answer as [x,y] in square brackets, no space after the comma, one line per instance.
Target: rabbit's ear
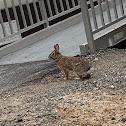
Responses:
[56,47]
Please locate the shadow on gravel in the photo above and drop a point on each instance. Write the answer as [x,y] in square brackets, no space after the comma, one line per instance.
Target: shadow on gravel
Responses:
[14,75]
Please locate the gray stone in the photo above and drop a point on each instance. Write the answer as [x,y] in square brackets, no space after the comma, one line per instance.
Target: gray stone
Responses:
[19,118]
[123,120]
[63,124]
[113,118]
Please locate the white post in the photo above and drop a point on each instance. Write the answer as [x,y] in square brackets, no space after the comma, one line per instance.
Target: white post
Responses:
[43,12]
[87,25]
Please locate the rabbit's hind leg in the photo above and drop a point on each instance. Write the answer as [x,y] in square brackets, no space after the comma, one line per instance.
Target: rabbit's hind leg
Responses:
[79,77]
[83,76]
[66,74]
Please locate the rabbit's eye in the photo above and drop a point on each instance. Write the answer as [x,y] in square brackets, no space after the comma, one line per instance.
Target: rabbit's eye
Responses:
[53,54]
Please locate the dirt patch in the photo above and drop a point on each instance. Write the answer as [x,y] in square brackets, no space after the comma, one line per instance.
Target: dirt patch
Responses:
[88,109]
[39,106]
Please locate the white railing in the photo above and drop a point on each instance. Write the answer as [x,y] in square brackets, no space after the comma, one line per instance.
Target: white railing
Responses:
[25,15]
[108,13]
[19,18]
[111,20]
[33,13]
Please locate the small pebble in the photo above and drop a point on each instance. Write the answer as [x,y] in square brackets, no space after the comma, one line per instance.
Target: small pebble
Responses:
[113,118]
[112,86]
[123,120]
[112,93]
[63,124]
[19,119]
[96,59]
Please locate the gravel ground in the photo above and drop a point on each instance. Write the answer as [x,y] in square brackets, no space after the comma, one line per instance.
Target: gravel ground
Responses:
[51,101]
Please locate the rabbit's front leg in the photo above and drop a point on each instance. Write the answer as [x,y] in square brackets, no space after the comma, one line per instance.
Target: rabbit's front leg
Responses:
[66,74]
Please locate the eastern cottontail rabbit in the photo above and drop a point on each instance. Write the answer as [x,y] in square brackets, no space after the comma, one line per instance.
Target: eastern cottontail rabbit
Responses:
[79,65]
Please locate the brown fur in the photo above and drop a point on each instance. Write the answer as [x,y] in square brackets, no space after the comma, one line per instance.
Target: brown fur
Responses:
[79,65]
